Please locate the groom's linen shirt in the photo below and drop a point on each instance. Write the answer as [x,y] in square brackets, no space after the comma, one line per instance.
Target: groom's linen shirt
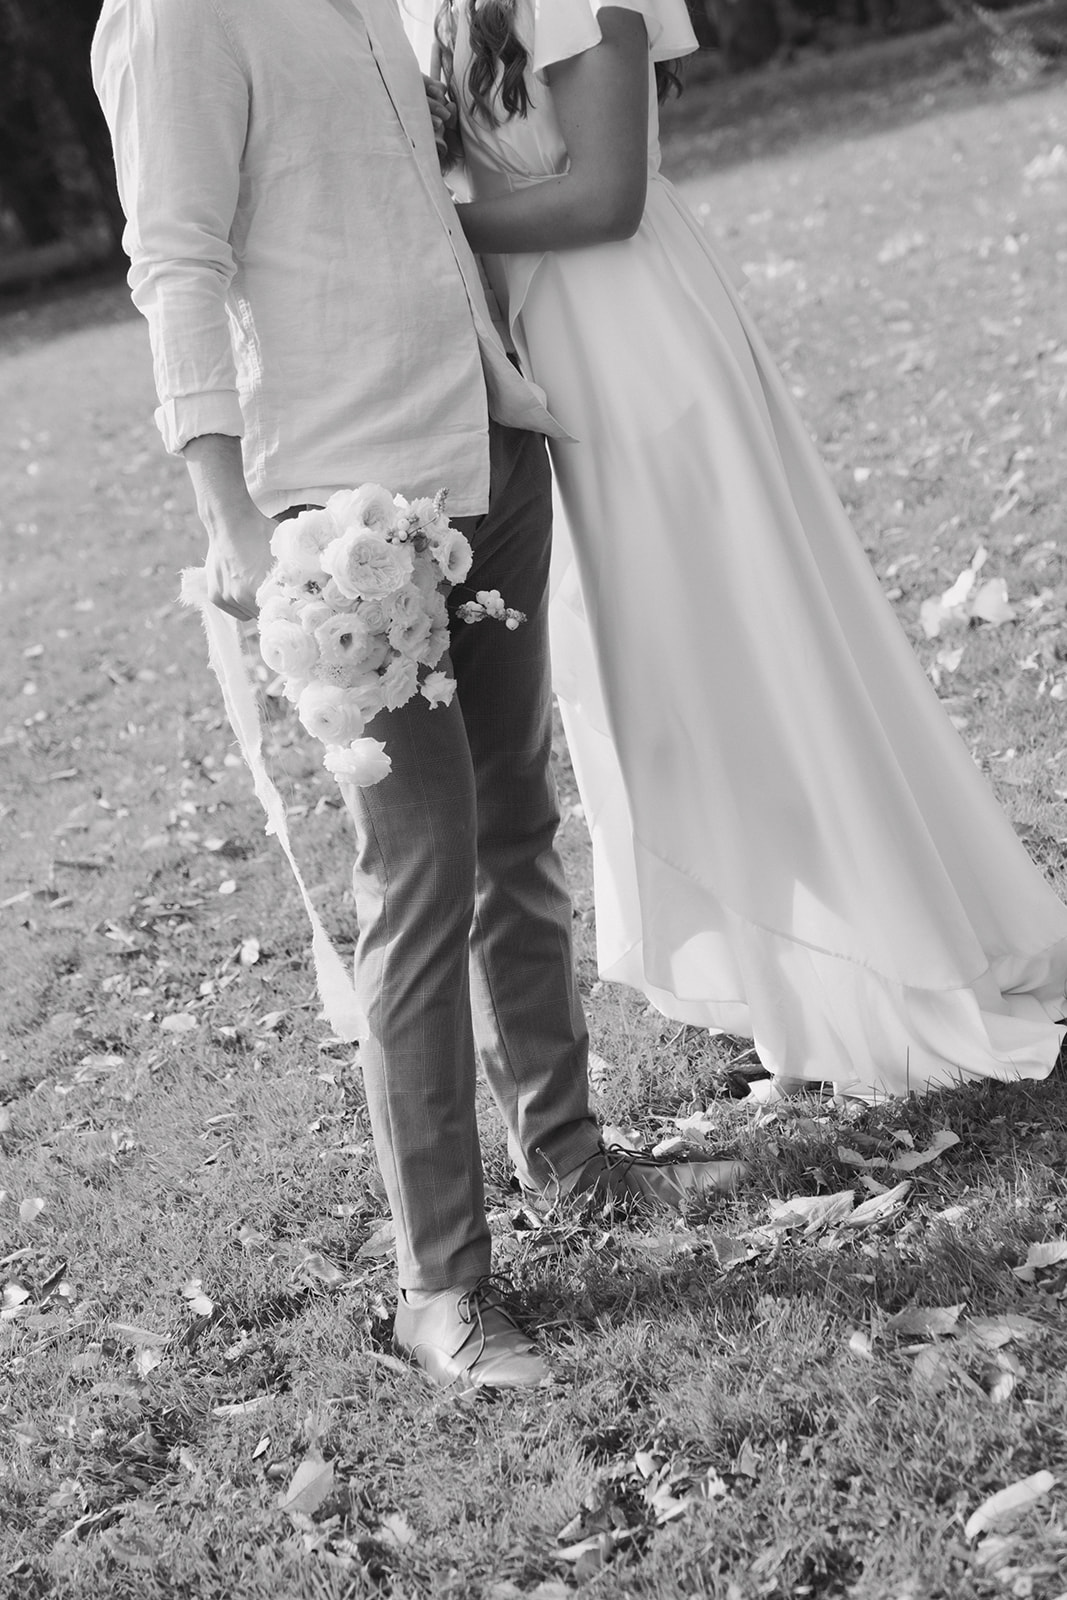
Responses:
[306,282]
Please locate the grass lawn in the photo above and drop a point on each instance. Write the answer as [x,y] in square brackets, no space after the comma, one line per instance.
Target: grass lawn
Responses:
[196,1393]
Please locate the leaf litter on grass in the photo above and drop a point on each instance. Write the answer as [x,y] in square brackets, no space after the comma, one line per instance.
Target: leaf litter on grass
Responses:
[951,1239]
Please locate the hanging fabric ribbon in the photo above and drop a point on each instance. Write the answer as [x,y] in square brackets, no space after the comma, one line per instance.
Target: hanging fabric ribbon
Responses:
[336,989]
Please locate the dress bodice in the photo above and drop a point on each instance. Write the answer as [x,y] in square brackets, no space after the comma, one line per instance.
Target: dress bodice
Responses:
[508,154]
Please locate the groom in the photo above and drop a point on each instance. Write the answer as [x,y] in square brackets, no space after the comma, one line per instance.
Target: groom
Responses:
[317,321]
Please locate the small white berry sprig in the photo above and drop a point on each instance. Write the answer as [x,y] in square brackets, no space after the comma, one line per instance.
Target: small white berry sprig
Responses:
[488,603]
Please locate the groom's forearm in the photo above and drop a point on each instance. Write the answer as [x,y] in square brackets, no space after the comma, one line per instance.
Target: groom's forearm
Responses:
[238,557]
[216,472]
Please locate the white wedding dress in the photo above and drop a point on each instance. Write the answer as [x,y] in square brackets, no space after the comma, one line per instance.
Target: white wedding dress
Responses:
[790,841]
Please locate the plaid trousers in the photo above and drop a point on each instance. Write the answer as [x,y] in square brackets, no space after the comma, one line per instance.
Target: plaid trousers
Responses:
[464,950]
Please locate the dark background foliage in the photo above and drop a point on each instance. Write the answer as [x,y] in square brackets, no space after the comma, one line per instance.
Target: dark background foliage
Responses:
[58,208]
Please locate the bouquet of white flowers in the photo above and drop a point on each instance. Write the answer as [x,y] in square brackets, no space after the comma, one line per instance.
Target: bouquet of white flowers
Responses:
[353,616]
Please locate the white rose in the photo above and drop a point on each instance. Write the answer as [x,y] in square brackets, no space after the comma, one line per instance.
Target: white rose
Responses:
[363,762]
[298,542]
[313,613]
[286,648]
[369,506]
[453,555]
[331,594]
[438,689]
[375,615]
[363,564]
[330,713]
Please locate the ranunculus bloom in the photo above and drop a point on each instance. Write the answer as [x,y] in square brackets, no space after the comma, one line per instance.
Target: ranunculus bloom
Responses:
[279,608]
[366,692]
[453,555]
[341,638]
[407,638]
[426,577]
[405,605]
[330,713]
[362,564]
[438,689]
[435,646]
[369,506]
[399,682]
[434,523]
[285,647]
[272,588]
[363,762]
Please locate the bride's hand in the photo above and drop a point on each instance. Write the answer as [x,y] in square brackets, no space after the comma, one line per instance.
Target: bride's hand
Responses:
[445,120]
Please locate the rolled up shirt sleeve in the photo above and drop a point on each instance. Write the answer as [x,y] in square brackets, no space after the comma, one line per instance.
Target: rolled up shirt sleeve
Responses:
[176,99]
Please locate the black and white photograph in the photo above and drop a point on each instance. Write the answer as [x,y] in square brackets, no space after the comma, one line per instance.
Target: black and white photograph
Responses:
[533,800]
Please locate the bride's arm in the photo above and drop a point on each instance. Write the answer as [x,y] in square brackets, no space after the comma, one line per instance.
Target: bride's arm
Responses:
[601,102]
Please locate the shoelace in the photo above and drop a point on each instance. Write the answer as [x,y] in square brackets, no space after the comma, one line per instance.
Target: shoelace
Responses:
[494,1289]
[619,1158]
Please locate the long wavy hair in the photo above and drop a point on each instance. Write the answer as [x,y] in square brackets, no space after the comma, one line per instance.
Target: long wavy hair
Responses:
[497,52]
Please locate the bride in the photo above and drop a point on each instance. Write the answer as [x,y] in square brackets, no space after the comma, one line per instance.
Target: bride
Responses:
[790,841]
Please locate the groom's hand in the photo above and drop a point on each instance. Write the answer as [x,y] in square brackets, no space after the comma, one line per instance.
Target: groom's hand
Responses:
[238,557]
[238,560]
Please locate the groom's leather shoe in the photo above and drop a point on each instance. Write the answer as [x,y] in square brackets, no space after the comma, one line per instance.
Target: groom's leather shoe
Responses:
[465,1339]
[629,1177]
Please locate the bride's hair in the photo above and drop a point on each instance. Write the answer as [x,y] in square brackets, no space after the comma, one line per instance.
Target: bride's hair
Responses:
[495,45]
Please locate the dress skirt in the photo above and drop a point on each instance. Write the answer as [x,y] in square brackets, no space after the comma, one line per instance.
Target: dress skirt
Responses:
[790,840]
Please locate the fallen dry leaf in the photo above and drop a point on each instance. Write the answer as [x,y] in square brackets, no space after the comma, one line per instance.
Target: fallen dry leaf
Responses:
[1048,1254]
[997,1331]
[311,1483]
[932,1368]
[380,1243]
[922,1322]
[879,1208]
[1002,1508]
[241,1408]
[394,1529]
[146,1360]
[320,1268]
[813,1210]
[198,1302]
[991,603]
[943,1140]
[132,1333]
[178,1022]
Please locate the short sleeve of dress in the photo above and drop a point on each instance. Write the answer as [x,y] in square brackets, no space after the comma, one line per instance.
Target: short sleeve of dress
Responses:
[565,28]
